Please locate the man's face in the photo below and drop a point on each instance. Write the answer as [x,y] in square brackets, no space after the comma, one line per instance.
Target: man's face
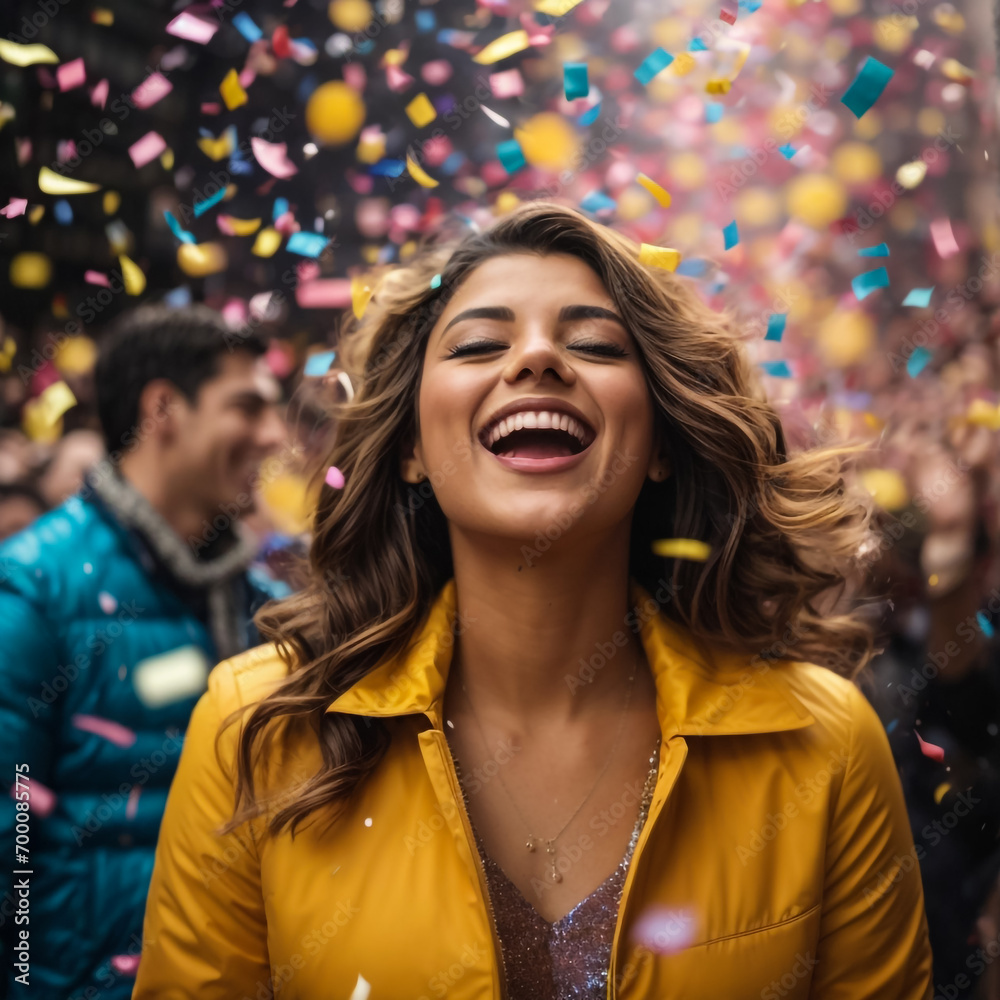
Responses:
[219,442]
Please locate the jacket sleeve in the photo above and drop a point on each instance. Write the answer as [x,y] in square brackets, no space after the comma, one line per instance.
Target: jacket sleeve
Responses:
[873,935]
[204,932]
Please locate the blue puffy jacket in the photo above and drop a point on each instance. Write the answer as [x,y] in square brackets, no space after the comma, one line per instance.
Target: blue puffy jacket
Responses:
[102,658]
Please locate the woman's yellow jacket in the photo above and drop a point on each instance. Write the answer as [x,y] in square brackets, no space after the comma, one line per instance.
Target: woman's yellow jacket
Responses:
[776,860]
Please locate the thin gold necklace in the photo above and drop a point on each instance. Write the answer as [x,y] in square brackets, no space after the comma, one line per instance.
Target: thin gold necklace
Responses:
[554,875]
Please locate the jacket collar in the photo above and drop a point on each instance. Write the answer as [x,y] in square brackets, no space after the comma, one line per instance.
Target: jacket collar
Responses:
[701,691]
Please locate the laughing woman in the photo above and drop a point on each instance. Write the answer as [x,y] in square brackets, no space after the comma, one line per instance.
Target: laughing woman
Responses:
[498,747]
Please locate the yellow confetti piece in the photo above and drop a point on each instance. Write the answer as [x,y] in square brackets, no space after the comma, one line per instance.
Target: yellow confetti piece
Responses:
[55,400]
[418,173]
[954,70]
[395,57]
[35,214]
[502,47]
[683,64]
[718,86]
[112,199]
[232,90]
[200,259]
[682,548]
[30,270]
[420,111]
[26,55]
[663,257]
[52,183]
[909,175]
[659,193]
[267,242]
[361,294]
[135,280]
[101,15]
[887,487]
[941,791]
[167,159]
[243,227]
[371,148]
[216,149]
[76,356]
[555,8]
[984,414]
[932,580]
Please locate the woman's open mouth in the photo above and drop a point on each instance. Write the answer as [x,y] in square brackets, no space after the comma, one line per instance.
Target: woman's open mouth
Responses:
[537,441]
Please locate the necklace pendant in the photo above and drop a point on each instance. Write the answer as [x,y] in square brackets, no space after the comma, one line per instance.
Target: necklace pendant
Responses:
[554,876]
[530,844]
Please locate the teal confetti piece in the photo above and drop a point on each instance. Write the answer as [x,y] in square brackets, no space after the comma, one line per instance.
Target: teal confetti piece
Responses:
[882,250]
[510,155]
[731,234]
[775,326]
[865,284]
[306,244]
[779,369]
[697,45]
[985,624]
[244,24]
[713,111]
[654,63]
[575,80]
[590,116]
[867,86]
[319,364]
[920,297]
[175,227]
[596,201]
[917,361]
[201,207]
[787,151]
[892,725]
[436,281]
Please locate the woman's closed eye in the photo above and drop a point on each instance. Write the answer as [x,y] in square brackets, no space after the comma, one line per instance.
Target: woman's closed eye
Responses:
[592,346]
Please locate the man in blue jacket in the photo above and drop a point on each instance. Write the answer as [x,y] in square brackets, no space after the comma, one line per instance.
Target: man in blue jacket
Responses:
[113,609]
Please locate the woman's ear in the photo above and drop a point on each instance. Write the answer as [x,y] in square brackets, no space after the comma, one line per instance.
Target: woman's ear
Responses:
[659,464]
[411,466]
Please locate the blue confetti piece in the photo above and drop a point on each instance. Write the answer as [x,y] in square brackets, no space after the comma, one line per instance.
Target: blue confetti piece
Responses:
[240,166]
[867,86]
[882,250]
[366,46]
[280,207]
[693,268]
[590,116]
[775,326]
[510,155]
[306,86]
[779,369]
[178,230]
[713,111]
[243,23]
[750,5]
[454,163]
[575,80]
[319,364]
[178,298]
[63,212]
[985,624]
[387,168]
[436,281]
[731,234]
[917,361]
[697,45]
[306,244]
[892,725]
[654,63]
[919,297]
[787,151]
[306,43]
[865,284]
[426,21]
[597,201]
[201,207]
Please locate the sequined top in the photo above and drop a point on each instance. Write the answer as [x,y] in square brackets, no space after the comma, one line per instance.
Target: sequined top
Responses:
[568,958]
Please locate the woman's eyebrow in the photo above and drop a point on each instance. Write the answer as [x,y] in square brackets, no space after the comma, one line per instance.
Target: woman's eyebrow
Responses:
[505,314]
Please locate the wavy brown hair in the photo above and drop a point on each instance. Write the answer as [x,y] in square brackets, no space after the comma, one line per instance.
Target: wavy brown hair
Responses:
[785,530]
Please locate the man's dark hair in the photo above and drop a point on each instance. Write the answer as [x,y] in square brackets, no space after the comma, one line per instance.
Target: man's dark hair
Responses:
[184,346]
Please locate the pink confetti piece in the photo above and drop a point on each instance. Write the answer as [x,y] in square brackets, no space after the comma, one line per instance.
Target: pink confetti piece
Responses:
[247,76]
[99,95]
[14,208]
[211,108]
[132,806]
[65,150]
[108,602]
[278,361]
[307,270]
[45,78]
[192,28]
[154,88]
[929,749]
[96,278]
[397,79]
[436,72]
[234,312]
[334,478]
[41,798]
[509,83]
[273,157]
[944,238]
[286,224]
[147,148]
[327,293]
[71,75]
[125,965]
[355,76]
[113,732]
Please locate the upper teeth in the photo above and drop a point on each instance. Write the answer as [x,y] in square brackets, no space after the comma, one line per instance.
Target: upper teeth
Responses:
[533,419]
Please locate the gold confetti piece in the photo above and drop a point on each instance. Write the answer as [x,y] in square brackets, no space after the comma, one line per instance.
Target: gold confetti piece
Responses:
[30,270]
[502,47]
[909,175]
[101,15]
[659,193]
[232,90]
[135,280]
[395,57]
[887,487]
[216,149]
[361,293]
[52,183]
[200,259]
[267,242]
[945,16]
[56,399]
[718,86]
[243,227]
[26,55]
[683,64]
[112,199]
[932,580]
[555,8]
[167,159]
[75,356]
[941,791]
[954,70]
[682,548]
[418,173]
[420,111]
[663,257]
[984,414]
[35,214]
